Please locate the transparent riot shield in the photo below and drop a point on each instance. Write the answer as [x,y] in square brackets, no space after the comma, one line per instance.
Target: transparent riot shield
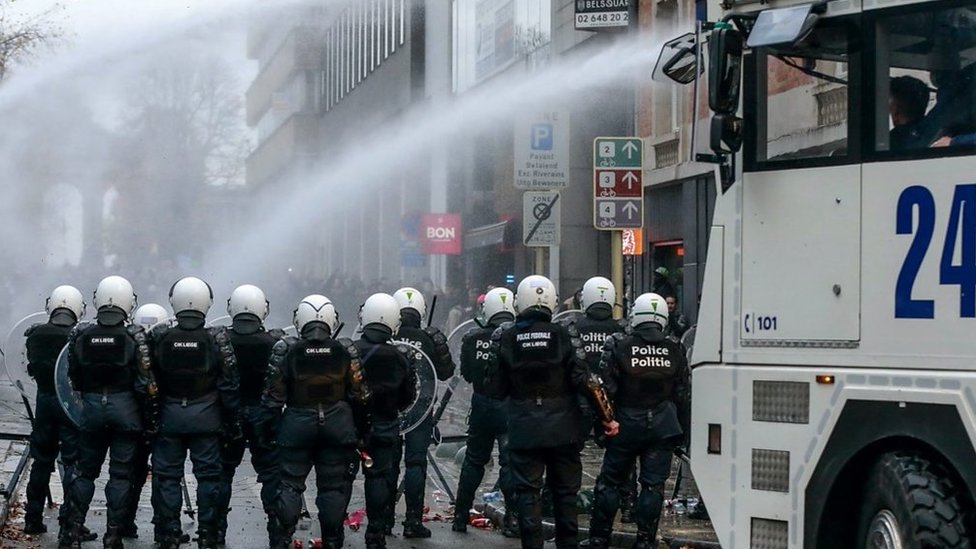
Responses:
[455,404]
[69,398]
[426,380]
[568,316]
[15,356]
[224,320]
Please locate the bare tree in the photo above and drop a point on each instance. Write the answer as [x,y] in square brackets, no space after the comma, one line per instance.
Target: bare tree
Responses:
[21,36]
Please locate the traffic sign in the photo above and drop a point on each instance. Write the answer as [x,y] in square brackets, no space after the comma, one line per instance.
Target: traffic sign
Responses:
[542,150]
[540,218]
[618,183]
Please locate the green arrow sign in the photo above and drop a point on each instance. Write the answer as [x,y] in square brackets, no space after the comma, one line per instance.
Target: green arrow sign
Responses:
[618,152]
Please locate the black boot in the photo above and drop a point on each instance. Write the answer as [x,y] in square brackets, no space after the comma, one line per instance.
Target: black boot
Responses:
[113,537]
[87,535]
[460,523]
[129,530]
[644,541]
[34,525]
[414,528]
[375,540]
[206,538]
[595,542]
[167,542]
[510,527]
[69,537]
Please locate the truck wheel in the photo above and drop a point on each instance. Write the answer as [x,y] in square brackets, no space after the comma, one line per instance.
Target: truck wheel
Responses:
[908,504]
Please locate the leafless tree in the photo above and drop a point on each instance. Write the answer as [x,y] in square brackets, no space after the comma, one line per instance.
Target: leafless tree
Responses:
[21,36]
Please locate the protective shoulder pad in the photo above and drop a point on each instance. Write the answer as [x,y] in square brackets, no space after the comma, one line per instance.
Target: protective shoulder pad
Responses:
[350,347]
[159,330]
[618,337]
[137,332]
[501,329]
[31,328]
[277,333]
[436,335]
[573,330]
[280,349]
[412,354]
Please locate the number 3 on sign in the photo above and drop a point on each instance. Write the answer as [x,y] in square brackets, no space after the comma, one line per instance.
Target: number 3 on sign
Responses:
[961,230]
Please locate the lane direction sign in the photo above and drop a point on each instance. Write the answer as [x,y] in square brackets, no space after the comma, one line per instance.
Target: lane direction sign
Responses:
[618,183]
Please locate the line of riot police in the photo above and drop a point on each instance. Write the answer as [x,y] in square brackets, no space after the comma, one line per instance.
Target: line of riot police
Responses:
[160,389]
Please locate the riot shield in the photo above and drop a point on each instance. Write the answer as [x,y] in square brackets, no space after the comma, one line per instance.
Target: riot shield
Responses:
[426,380]
[456,401]
[568,316]
[69,398]
[15,356]
[224,320]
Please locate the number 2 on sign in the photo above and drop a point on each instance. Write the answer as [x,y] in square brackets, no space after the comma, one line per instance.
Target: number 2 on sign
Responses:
[962,220]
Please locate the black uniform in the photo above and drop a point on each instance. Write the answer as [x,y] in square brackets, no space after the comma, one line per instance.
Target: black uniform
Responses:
[109,364]
[391,382]
[543,370]
[197,374]
[433,343]
[646,377]
[252,349]
[488,422]
[52,433]
[320,380]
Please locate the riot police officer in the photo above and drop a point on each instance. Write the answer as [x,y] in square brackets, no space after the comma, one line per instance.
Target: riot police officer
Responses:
[488,420]
[320,380]
[391,382]
[198,385]
[252,343]
[597,299]
[646,376]
[542,369]
[430,340]
[147,316]
[52,432]
[108,362]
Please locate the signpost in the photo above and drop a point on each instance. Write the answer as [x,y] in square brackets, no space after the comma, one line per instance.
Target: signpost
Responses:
[540,219]
[618,183]
[542,151]
[603,14]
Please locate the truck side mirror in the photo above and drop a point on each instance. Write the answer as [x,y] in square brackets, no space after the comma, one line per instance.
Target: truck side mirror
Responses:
[725,69]
[726,134]
[678,60]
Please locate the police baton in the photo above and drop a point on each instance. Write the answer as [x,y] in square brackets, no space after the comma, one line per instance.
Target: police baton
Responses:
[430,312]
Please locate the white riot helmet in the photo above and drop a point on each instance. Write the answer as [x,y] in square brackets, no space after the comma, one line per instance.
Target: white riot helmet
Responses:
[149,315]
[316,308]
[247,299]
[411,298]
[649,308]
[597,290]
[498,300]
[380,309]
[190,294]
[66,297]
[115,291]
[536,291]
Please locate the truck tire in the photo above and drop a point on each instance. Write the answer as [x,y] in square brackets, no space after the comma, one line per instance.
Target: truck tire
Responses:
[908,504]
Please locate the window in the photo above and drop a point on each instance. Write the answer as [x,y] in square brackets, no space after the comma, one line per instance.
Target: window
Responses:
[925,81]
[801,100]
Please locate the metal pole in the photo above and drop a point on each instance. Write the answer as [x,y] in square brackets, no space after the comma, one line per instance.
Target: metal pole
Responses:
[539,261]
[617,269]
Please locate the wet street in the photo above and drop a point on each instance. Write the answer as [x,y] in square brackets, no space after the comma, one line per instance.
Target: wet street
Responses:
[247,523]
